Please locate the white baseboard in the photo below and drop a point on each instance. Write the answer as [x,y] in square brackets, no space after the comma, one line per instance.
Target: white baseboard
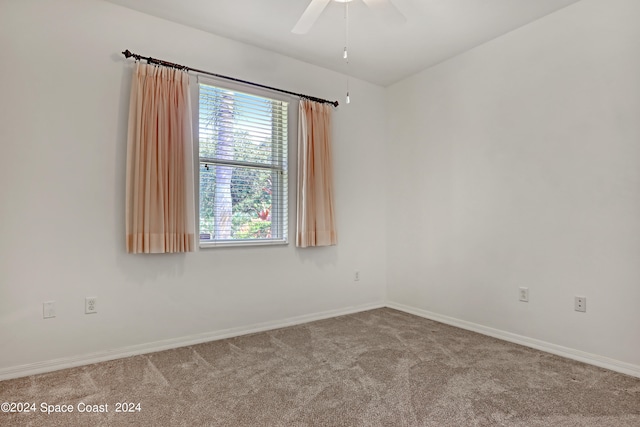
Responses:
[581,356]
[102,356]
[134,350]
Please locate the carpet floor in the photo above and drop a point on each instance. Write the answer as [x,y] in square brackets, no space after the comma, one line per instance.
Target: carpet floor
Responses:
[376,368]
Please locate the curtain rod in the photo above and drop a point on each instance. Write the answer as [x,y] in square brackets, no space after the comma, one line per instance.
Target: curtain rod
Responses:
[150,60]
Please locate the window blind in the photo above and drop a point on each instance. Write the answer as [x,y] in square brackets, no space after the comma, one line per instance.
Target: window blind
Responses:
[243,145]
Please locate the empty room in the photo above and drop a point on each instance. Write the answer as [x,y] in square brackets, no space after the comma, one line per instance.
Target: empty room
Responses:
[320,213]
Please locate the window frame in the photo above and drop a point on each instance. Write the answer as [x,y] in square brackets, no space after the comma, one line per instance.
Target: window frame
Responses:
[286,162]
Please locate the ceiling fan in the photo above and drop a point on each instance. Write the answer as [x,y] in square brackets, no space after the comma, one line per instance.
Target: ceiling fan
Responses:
[385,9]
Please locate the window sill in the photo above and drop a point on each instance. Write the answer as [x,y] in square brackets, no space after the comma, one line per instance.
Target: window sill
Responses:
[242,243]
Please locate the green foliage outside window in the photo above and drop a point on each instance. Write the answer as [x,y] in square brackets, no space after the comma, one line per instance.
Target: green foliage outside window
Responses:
[238,197]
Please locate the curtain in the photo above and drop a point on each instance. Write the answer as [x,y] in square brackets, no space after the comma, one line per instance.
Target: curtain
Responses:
[160,211]
[316,219]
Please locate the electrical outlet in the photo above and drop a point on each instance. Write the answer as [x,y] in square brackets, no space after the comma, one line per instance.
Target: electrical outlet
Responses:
[524,294]
[580,304]
[356,276]
[48,309]
[90,305]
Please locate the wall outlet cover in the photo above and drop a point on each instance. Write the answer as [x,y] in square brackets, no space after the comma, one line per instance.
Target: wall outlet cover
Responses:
[90,305]
[48,309]
[523,294]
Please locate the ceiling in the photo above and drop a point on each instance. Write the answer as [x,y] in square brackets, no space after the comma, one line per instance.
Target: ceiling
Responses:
[379,52]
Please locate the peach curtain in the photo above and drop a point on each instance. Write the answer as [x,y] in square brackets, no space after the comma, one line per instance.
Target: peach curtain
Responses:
[160,211]
[316,219]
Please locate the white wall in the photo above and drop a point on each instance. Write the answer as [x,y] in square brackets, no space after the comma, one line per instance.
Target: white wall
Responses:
[520,160]
[64,101]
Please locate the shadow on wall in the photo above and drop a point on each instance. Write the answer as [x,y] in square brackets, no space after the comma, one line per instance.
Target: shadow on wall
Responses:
[320,256]
[146,268]
[120,149]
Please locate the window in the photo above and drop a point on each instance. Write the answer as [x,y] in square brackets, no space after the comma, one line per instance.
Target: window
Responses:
[243,168]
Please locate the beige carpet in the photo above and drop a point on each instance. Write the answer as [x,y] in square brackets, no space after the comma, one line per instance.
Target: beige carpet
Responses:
[376,368]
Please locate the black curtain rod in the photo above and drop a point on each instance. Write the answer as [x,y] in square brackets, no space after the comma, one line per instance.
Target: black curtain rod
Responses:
[150,60]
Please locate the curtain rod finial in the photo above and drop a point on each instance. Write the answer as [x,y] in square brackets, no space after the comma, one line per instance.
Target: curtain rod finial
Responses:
[127,53]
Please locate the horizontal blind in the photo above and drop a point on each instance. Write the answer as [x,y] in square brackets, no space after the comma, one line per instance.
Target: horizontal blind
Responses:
[243,166]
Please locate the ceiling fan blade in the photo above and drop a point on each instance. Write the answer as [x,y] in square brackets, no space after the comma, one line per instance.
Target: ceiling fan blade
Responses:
[386,11]
[310,16]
